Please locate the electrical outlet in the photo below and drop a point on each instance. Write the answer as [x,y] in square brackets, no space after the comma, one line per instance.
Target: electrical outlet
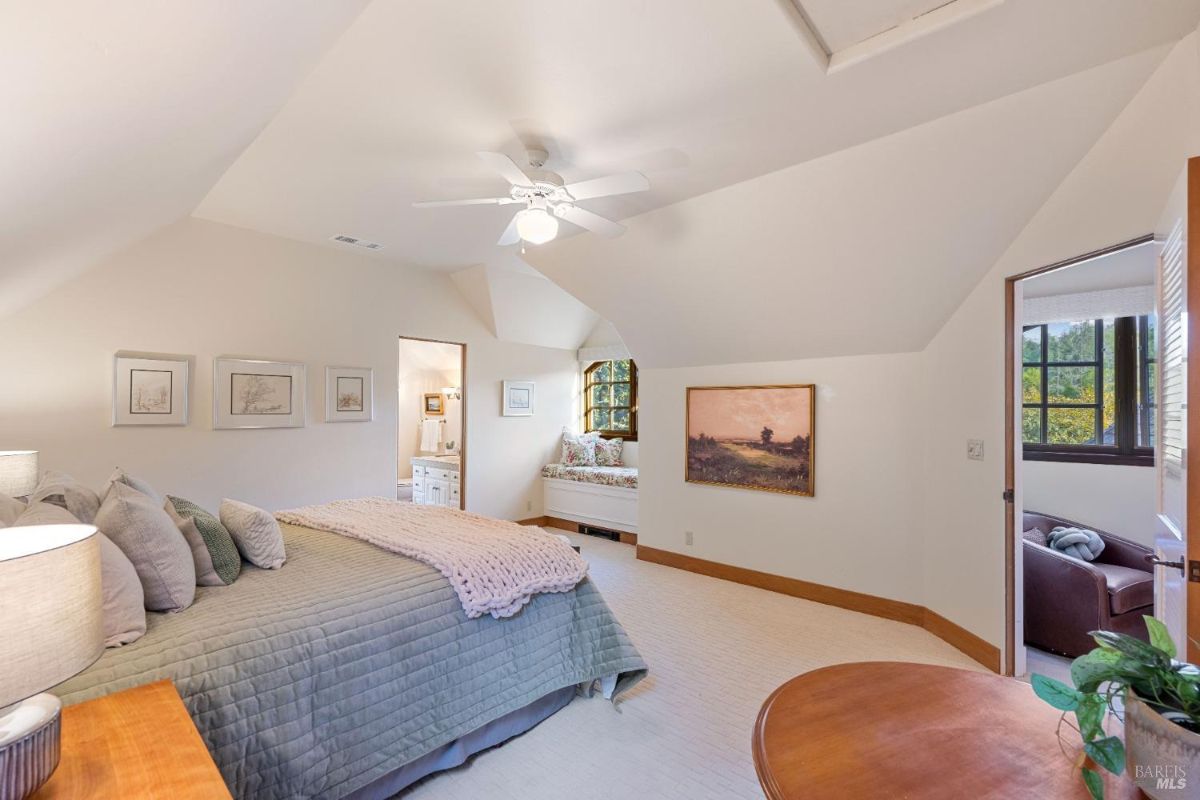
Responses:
[687,538]
[975,449]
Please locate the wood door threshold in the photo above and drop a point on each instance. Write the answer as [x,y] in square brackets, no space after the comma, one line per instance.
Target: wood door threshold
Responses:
[953,634]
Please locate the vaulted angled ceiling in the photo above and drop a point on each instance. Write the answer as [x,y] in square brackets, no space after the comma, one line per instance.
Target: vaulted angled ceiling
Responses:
[698,95]
[519,304]
[867,250]
[120,116]
[129,120]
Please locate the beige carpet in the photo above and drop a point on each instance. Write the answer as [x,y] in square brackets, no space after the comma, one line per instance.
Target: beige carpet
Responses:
[716,650]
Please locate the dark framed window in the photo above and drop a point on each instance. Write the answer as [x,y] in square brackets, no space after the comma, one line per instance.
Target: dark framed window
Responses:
[1088,391]
[610,399]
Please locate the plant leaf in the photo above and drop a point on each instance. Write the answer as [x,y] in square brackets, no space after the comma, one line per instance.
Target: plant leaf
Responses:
[1090,715]
[1090,670]
[1159,636]
[1108,753]
[1056,693]
[1094,783]
[1134,648]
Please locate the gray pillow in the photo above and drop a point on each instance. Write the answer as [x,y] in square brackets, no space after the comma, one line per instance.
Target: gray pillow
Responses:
[148,537]
[60,489]
[43,513]
[124,600]
[206,574]
[10,509]
[121,476]
[255,532]
[120,589]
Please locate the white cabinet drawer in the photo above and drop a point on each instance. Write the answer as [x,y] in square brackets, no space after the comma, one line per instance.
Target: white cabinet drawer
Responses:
[418,482]
[454,495]
[418,470]
[435,474]
[418,498]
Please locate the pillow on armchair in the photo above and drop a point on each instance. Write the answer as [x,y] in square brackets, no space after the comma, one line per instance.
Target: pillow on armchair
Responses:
[1076,542]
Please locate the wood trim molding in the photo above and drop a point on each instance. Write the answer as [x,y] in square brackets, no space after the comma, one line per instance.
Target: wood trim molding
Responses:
[955,635]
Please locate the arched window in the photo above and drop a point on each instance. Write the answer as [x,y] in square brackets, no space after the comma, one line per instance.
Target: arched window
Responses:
[610,399]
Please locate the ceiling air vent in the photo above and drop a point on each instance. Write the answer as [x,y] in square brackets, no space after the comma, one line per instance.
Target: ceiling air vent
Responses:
[344,239]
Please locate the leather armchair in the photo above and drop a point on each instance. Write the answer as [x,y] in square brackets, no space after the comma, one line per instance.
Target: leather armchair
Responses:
[1066,598]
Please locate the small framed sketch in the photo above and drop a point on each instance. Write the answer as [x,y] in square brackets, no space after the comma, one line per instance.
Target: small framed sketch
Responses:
[518,398]
[150,389]
[248,393]
[348,394]
[435,405]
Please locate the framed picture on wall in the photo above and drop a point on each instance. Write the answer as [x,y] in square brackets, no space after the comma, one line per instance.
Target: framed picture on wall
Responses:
[518,399]
[150,389]
[435,405]
[348,394]
[752,437]
[250,393]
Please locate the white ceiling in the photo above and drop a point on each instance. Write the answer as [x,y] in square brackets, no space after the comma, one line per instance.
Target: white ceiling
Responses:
[698,95]
[1133,267]
[867,250]
[777,188]
[120,116]
[843,23]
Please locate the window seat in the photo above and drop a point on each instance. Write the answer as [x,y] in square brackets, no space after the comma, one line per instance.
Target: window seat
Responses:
[625,477]
[599,497]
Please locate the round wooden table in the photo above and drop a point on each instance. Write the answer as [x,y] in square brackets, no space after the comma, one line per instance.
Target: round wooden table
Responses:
[897,730]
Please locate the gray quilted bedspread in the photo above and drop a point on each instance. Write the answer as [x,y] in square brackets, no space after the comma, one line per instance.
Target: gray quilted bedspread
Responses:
[313,680]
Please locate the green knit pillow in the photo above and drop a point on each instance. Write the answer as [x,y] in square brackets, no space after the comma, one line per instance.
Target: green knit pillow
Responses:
[227,562]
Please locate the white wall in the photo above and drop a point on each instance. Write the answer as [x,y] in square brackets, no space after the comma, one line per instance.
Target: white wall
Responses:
[1114,194]
[860,530]
[1116,499]
[206,289]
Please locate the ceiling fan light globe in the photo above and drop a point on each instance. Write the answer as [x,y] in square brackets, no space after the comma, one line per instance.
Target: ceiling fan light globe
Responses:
[536,226]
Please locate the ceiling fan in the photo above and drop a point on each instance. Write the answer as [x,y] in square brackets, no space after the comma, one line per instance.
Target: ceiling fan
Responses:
[548,199]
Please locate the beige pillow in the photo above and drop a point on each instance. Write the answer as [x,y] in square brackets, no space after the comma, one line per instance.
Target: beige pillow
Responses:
[43,513]
[121,476]
[124,600]
[60,489]
[120,589]
[148,537]
[255,532]
[10,509]
[206,573]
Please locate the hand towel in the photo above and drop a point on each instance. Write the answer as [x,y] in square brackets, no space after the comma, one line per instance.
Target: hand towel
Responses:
[431,435]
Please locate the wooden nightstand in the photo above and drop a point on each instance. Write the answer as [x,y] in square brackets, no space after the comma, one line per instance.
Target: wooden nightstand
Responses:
[137,743]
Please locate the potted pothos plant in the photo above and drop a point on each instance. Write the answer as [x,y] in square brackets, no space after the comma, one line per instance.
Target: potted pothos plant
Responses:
[1159,703]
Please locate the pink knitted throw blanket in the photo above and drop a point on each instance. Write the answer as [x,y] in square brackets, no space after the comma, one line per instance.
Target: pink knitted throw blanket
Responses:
[494,566]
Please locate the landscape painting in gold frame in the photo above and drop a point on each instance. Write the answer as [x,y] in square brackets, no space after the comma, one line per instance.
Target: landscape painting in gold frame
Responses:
[752,437]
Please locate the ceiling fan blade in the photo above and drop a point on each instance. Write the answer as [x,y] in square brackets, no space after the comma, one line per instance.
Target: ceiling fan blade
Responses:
[507,168]
[621,183]
[589,221]
[481,201]
[510,235]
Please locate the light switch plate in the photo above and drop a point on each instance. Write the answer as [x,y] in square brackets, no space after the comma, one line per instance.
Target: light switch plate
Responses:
[975,449]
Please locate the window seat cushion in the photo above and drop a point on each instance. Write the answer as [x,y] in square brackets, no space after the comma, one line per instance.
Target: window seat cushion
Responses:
[624,477]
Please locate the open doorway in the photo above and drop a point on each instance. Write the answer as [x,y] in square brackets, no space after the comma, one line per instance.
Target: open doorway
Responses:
[1083,419]
[431,424]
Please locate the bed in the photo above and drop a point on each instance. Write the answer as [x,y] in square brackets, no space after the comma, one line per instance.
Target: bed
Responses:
[353,672]
[600,497]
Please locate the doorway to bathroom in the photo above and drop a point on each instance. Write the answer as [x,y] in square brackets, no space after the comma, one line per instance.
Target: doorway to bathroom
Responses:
[431,429]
